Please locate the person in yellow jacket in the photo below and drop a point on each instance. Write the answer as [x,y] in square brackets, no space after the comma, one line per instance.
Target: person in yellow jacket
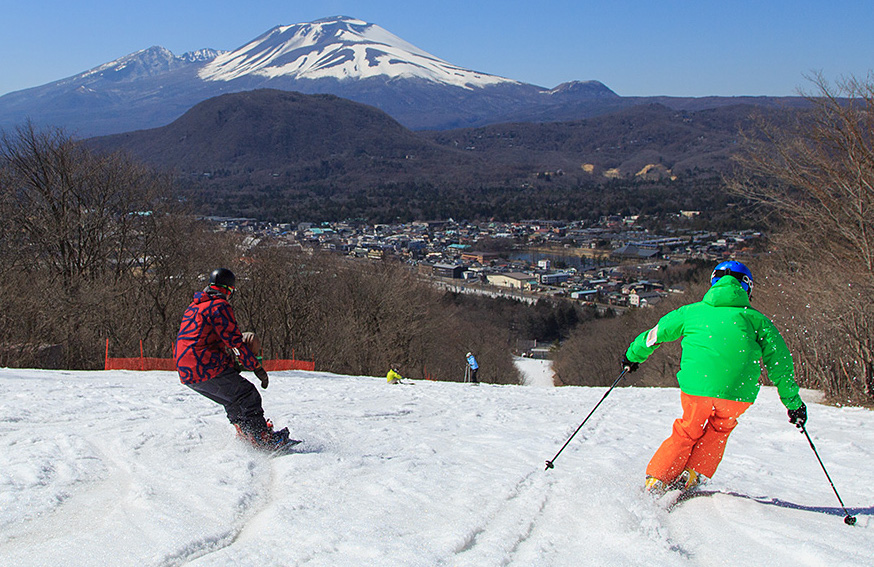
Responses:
[393,376]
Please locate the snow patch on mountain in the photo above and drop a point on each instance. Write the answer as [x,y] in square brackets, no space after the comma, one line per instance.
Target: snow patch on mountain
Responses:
[201,55]
[339,48]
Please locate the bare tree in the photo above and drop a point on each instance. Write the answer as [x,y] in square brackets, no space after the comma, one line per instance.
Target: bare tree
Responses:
[78,210]
[359,317]
[593,353]
[817,172]
[815,175]
[92,250]
[281,299]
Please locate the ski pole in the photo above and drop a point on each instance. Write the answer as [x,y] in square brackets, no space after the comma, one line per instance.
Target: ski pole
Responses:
[848,519]
[549,464]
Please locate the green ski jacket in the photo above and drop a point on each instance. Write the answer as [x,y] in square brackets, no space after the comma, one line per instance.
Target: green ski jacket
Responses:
[724,341]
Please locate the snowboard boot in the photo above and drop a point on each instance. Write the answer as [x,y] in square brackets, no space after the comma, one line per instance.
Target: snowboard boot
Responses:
[266,439]
[251,436]
[243,435]
[275,440]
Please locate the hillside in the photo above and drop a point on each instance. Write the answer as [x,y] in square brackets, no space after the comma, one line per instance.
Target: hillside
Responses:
[276,154]
[132,468]
[270,131]
[626,140]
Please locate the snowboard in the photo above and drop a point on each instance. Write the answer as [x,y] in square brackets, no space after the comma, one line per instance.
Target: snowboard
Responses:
[285,445]
[285,448]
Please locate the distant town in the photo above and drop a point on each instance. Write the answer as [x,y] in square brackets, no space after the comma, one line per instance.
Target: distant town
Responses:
[612,264]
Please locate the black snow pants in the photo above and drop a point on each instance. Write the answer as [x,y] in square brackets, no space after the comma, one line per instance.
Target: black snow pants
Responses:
[240,398]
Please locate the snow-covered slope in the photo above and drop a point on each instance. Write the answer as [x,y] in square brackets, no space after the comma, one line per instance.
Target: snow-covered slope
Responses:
[131,468]
[535,372]
[339,48]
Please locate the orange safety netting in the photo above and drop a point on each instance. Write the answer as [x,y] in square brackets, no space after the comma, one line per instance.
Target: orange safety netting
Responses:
[144,363]
[148,363]
[285,364]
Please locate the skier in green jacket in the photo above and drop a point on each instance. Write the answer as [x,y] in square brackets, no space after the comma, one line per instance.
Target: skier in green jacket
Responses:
[724,340]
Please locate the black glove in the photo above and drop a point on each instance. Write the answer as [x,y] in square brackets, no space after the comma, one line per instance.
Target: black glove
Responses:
[798,417]
[631,366]
[262,375]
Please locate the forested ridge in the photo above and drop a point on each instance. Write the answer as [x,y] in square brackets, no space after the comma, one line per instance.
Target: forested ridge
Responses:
[289,157]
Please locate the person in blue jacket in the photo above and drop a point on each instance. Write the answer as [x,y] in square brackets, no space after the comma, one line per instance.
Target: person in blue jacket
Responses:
[472,367]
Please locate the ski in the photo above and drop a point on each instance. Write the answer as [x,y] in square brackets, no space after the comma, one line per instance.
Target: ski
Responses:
[688,494]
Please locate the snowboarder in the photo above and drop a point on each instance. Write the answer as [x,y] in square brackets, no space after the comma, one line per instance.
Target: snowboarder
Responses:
[393,376]
[723,342]
[472,367]
[209,352]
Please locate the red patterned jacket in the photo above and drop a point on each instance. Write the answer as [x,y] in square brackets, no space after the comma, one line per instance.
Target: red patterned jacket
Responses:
[208,331]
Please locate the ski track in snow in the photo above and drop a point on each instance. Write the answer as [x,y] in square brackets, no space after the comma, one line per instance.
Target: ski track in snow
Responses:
[130,468]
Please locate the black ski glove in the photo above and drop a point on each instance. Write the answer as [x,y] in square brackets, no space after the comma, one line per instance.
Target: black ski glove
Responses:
[798,417]
[631,366]
[262,375]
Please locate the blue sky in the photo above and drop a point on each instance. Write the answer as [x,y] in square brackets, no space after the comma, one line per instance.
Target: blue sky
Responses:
[635,47]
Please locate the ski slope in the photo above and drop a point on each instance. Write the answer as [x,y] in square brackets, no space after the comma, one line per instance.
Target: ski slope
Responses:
[131,468]
[535,372]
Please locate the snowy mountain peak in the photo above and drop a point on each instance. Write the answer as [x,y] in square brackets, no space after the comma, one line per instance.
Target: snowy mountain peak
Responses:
[153,61]
[338,48]
[201,55]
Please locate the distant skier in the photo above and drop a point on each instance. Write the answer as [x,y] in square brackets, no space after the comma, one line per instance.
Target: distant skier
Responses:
[472,367]
[394,375]
[723,342]
[210,348]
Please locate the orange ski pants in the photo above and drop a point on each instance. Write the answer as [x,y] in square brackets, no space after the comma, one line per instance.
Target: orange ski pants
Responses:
[698,438]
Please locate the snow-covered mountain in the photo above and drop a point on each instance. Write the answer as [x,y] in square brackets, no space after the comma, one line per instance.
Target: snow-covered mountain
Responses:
[339,48]
[151,62]
[343,56]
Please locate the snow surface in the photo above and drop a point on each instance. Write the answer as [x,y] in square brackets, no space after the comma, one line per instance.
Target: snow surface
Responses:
[535,372]
[131,468]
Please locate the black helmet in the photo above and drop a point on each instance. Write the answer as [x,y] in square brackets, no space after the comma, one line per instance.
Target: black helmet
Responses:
[223,278]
